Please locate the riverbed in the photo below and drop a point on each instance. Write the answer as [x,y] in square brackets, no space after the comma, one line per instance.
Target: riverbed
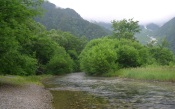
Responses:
[79,91]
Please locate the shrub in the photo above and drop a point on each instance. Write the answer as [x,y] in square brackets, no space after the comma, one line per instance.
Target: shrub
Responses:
[60,63]
[162,56]
[100,58]
[107,55]
[17,64]
[128,57]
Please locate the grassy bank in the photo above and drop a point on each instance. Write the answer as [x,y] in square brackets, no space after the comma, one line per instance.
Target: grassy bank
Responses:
[21,80]
[158,73]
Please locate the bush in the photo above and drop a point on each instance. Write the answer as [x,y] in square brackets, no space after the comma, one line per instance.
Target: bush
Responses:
[17,64]
[133,52]
[28,64]
[107,55]
[162,56]
[100,58]
[51,56]
[128,57]
[60,63]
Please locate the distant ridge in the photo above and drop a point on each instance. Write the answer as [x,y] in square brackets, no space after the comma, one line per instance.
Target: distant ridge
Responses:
[168,31]
[69,20]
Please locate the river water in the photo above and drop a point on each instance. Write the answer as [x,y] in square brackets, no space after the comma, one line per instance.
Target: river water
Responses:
[116,92]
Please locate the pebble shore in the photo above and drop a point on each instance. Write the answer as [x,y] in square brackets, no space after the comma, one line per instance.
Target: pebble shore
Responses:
[29,96]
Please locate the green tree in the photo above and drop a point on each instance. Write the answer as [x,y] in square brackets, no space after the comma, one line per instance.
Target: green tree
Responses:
[72,44]
[51,57]
[99,57]
[162,56]
[60,63]
[160,53]
[108,55]
[125,28]
[128,57]
[14,17]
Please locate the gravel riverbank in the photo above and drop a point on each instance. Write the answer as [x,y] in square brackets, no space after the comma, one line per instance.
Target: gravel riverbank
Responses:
[25,97]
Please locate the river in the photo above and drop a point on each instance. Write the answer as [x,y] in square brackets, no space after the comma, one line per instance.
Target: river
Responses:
[78,91]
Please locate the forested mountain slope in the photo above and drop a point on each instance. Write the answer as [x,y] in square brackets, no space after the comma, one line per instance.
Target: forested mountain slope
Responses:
[69,20]
[168,31]
[147,33]
[104,24]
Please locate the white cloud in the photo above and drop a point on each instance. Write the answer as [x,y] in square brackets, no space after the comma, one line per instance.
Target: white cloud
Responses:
[106,10]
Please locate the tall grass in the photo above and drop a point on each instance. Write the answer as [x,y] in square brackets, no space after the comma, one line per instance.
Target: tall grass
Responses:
[159,73]
[21,80]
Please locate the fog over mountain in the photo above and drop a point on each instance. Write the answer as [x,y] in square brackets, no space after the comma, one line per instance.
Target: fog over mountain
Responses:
[144,11]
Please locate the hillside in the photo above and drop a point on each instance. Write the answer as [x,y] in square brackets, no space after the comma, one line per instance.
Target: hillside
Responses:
[69,20]
[154,31]
[168,31]
[147,33]
[104,24]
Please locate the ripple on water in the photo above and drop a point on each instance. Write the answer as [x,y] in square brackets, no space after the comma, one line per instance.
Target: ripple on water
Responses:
[121,93]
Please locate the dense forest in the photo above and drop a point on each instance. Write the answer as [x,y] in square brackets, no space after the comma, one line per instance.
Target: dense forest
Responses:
[167,32]
[30,45]
[122,50]
[27,48]
[152,32]
[69,20]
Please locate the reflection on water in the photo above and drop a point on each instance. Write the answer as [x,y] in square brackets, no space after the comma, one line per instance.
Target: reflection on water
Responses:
[120,93]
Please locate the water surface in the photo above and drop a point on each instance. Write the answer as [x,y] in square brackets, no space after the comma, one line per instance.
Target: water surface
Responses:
[110,93]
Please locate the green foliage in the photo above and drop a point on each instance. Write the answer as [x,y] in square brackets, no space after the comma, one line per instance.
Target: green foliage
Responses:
[27,48]
[132,54]
[67,40]
[60,64]
[15,16]
[45,48]
[16,64]
[99,57]
[128,57]
[107,55]
[162,56]
[22,80]
[125,28]
[51,57]
[72,44]
[18,11]
[159,73]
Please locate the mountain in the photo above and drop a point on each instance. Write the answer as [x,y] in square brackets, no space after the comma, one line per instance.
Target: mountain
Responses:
[69,20]
[147,33]
[154,32]
[168,31]
[104,24]
[152,27]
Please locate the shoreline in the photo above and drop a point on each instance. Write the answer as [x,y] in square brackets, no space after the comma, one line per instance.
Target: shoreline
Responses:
[29,96]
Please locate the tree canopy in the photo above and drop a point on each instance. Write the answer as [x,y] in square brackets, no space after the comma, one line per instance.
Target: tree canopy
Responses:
[68,20]
[26,47]
[125,28]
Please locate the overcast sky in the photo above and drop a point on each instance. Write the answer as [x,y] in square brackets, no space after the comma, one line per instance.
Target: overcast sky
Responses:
[145,11]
